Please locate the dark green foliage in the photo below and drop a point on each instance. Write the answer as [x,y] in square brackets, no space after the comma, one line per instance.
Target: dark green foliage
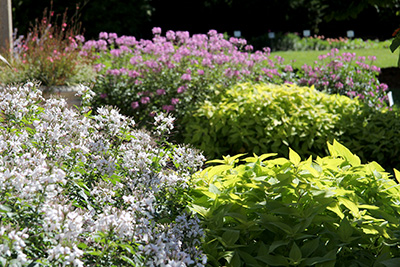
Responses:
[333,211]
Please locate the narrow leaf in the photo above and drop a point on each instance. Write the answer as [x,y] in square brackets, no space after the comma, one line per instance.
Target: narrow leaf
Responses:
[295,253]
[397,175]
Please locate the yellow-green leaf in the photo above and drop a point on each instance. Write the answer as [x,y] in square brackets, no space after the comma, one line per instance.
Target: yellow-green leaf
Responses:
[336,210]
[397,175]
[350,205]
[294,157]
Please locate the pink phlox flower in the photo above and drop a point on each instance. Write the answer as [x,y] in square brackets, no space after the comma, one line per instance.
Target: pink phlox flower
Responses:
[168,108]
[279,59]
[135,60]
[89,45]
[228,72]
[114,72]
[212,33]
[234,40]
[160,92]
[177,57]
[174,101]
[383,87]
[156,30]
[126,40]
[170,65]
[123,70]
[80,38]
[133,73]
[101,44]
[200,72]
[181,89]
[182,36]
[170,35]
[351,93]
[145,100]
[125,49]
[151,64]
[206,62]
[288,68]
[115,52]
[375,68]
[112,35]
[98,67]
[339,85]
[183,51]
[186,77]
[135,105]
[103,35]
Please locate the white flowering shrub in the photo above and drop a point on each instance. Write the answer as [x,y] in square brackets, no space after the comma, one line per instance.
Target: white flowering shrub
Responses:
[83,190]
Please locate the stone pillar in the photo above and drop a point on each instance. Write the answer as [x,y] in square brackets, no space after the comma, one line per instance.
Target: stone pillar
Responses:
[5,25]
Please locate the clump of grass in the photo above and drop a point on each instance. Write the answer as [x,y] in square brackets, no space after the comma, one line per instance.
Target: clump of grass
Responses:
[49,53]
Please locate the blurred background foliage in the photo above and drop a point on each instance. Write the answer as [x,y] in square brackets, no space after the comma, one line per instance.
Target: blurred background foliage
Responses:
[369,19]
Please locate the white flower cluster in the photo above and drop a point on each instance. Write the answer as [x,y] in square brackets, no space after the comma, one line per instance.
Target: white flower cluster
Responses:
[82,190]
[164,124]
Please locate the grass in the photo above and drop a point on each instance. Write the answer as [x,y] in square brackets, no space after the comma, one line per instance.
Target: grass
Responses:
[384,57]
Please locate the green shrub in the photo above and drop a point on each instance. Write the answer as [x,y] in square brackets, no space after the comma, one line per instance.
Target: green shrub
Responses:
[254,118]
[264,117]
[373,135]
[333,211]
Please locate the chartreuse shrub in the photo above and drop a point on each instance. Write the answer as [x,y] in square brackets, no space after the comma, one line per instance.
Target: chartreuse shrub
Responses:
[331,211]
[265,117]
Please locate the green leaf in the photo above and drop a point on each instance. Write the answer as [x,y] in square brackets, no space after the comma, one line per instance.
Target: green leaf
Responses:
[345,230]
[199,209]
[395,44]
[235,261]
[217,170]
[277,244]
[230,237]
[282,226]
[272,260]
[354,160]
[350,205]
[294,157]
[248,259]
[394,262]
[4,208]
[295,253]
[128,260]
[5,61]
[213,189]
[309,247]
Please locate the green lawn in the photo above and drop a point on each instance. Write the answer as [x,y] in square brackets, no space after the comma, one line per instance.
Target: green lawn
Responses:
[384,57]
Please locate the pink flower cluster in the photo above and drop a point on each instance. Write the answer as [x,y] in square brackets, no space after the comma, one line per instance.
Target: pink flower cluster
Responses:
[176,68]
[348,75]
[150,74]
